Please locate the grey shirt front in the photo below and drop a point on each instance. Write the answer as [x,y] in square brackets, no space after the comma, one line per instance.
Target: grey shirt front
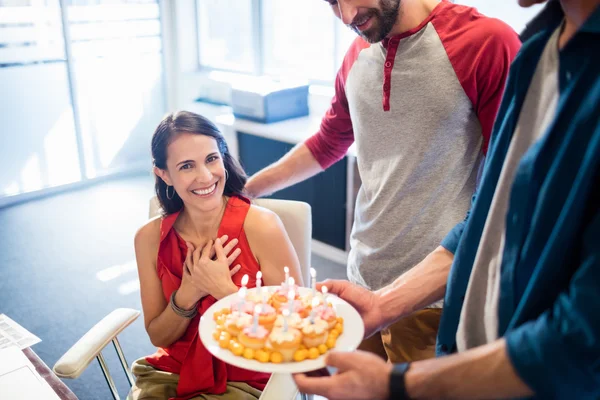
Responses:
[479,316]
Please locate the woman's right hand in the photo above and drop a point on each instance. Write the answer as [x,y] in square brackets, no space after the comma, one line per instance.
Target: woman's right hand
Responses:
[190,293]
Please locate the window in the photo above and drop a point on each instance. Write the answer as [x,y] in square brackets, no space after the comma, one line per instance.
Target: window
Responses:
[117,66]
[38,145]
[227,35]
[280,38]
[82,90]
[298,39]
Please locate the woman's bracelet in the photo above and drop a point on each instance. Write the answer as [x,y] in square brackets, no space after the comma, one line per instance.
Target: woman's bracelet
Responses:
[191,313]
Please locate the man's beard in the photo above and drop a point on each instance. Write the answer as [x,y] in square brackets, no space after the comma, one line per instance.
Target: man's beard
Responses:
[385,19]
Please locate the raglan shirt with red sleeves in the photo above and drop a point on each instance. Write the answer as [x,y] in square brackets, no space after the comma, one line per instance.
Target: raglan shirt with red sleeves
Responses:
[420,107]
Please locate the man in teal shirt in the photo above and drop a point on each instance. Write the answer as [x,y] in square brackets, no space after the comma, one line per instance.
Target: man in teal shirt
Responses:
[521,274]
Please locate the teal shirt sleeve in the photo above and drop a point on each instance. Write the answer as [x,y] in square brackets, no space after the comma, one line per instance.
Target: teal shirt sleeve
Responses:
[558,354]
[452,239]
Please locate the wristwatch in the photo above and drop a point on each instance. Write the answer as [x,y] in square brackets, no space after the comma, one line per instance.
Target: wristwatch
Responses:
[398,382]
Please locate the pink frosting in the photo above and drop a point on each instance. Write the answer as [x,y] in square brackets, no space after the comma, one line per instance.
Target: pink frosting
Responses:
[325,312]
[266,310]
[260,332]
[247,308]
[298,306]
[284,292]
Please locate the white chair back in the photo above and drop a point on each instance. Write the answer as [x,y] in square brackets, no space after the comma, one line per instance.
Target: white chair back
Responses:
[297,220]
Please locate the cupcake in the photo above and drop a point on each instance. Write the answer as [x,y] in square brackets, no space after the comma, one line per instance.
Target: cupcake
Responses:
[285,342]
[314,333]
[247,307]
[267,316]
[297,307]
[294,321]
[309,301]
[255,297]
[235,322]
[281,297]
[253,338]
[327,314]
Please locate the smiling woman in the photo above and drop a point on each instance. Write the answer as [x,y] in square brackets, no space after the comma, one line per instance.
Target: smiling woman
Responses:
[185,259]
[180,134]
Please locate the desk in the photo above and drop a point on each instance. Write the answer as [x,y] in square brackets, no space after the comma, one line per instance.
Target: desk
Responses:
[55,383]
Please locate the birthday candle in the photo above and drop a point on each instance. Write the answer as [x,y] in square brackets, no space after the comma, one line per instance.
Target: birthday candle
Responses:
[263,296]
[313,275]
[315,303]
[245,279]
[285,314]
[324,290]
[241,297]
[291,296]
[287,276]
[259,282]
[257,311]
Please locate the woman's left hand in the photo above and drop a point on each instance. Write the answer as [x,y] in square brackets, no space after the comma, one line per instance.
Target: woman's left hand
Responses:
[227,249]
[215,274]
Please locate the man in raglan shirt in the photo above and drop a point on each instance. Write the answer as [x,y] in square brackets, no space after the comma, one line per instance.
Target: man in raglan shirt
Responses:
[418,91]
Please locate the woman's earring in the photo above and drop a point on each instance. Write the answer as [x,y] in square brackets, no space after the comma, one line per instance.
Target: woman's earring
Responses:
[226,175]
[167,192]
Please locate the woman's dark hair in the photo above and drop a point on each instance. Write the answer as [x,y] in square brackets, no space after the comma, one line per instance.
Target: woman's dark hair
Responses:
[188,122]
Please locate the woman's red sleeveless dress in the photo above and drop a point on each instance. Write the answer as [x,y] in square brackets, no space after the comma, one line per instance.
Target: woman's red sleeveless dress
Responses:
[199,371]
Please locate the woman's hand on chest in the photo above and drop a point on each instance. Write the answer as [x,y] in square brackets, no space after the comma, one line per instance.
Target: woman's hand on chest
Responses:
[206,269]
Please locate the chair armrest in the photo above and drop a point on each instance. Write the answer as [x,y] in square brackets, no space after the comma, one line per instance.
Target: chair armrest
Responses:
[78,357]
[280,387]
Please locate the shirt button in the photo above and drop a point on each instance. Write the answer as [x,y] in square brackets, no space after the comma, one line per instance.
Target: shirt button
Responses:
[515,219]
[569,76]
[388,64]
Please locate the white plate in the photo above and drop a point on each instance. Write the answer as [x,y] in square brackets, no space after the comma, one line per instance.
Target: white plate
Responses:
[349,340]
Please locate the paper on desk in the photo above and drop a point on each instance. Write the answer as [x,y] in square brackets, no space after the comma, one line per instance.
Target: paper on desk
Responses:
[19,380]
[13,334]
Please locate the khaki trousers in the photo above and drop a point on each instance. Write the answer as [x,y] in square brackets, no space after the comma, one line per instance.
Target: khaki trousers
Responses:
[410,339]
[153,384]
